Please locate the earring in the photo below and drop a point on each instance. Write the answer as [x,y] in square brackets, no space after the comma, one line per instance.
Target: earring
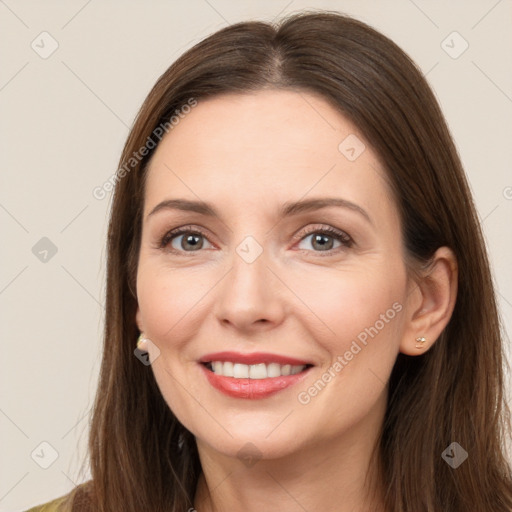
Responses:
[141,342]
[420,342]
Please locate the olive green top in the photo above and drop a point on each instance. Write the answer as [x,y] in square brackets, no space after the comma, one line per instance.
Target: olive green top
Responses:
[51,506]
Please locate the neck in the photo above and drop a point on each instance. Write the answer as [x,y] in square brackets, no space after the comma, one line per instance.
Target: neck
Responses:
[339,474]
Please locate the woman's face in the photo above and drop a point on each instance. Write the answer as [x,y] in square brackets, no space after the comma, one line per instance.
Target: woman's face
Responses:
[261,278]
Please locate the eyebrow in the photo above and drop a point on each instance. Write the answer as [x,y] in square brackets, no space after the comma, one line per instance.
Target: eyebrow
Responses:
[287,209]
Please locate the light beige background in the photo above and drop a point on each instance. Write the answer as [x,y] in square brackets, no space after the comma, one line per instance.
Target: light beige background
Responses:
[64,120]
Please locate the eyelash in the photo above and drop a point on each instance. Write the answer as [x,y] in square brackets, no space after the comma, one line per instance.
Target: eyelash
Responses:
[345,240]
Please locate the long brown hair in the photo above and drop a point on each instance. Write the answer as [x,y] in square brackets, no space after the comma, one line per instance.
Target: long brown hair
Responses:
[141,457]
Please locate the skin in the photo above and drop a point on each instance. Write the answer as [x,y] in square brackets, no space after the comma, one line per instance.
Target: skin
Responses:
[247,154]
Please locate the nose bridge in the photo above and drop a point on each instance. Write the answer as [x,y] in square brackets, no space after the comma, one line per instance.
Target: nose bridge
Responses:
[249,271]
[249,294]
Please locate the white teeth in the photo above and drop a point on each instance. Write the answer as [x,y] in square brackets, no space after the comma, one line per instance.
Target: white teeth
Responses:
[254,371]
[285,370]
[258,371]
[273,370]
[240,371]
[227,369]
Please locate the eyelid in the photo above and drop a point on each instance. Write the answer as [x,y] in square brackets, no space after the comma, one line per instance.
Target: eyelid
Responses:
[323,228]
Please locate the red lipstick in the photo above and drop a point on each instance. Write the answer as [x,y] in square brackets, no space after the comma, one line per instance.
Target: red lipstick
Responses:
[252,388]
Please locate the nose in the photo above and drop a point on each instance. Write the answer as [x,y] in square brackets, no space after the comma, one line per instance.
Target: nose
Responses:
[251,297]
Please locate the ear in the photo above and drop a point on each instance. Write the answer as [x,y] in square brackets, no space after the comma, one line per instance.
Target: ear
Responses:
[138,320]
[430,303]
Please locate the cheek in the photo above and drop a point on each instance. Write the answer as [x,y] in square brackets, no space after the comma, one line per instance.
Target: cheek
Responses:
[355,304]
[168,300]
[170,306]
[361,313]
[361,317]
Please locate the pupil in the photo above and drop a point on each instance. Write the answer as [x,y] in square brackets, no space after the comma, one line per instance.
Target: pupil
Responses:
[321,239]
[191,237]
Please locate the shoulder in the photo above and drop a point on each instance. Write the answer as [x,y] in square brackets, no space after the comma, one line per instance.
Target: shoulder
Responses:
[79,499]
[51,506]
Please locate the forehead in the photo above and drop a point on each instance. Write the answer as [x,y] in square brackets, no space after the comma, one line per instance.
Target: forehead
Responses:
[275,121]
[252,148]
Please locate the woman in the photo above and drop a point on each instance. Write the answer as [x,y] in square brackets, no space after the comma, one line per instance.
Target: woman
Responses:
[334,342]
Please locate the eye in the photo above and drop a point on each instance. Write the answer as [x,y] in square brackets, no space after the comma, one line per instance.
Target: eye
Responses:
[323,239]
[190,239]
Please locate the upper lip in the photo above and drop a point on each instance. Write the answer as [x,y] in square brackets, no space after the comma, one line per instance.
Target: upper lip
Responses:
[252,358]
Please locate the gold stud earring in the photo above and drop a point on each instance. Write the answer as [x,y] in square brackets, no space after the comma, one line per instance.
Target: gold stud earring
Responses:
[141,341]
[420,342]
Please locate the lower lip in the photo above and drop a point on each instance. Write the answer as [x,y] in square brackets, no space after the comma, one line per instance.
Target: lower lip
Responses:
[252,388]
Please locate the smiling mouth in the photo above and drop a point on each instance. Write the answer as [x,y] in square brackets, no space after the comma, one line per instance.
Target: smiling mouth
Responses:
[254,371]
